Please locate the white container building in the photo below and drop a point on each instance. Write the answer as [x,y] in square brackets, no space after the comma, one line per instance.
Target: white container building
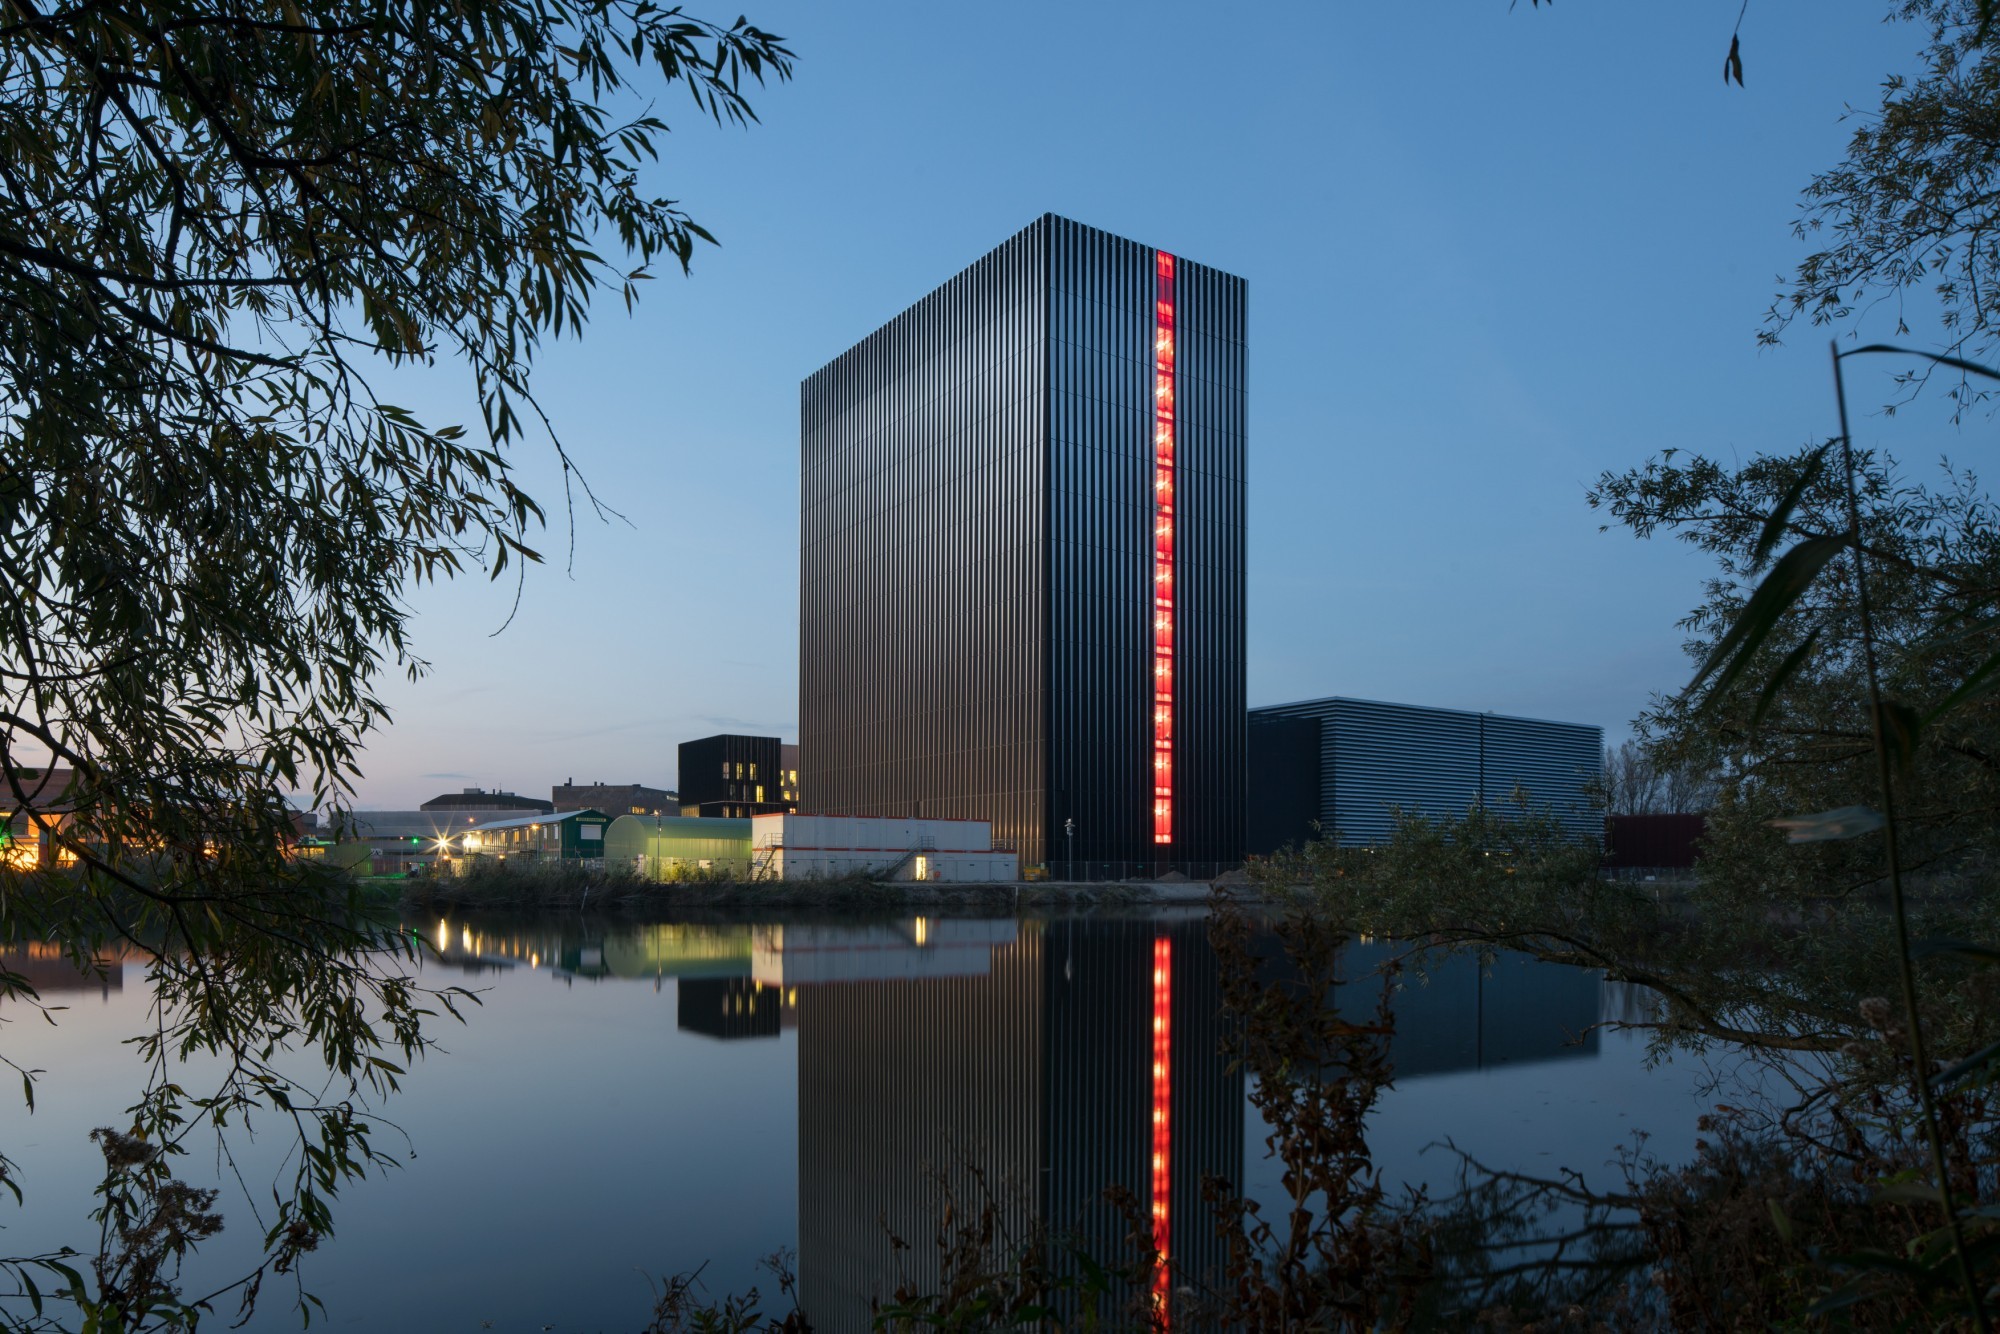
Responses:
[793,847]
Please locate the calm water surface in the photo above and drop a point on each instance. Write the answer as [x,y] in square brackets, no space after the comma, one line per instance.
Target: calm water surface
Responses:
[643,1099]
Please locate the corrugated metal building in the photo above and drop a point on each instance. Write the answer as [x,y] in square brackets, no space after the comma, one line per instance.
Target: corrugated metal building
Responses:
[1356,762]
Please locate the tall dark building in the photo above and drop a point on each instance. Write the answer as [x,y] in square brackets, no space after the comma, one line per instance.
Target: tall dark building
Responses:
[734,777]
[1022,592]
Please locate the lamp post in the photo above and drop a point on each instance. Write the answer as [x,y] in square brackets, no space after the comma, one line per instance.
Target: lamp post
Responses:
[1069,835]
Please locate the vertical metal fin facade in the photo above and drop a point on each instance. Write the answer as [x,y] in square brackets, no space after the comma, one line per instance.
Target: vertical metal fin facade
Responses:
[923,560]
[1107,401]
[977,612]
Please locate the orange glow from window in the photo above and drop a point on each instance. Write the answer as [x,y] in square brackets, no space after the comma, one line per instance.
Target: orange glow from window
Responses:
[1163,550]
[1163,1070]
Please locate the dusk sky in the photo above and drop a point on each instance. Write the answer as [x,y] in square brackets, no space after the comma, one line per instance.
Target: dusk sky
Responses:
[1489,256]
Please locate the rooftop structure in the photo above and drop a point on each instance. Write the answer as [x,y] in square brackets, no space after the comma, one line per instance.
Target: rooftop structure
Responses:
[477,799]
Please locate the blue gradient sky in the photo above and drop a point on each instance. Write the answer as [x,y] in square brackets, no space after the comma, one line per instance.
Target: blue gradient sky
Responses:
[1490,254]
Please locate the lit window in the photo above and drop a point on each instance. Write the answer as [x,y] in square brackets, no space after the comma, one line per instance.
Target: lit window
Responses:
[753,768]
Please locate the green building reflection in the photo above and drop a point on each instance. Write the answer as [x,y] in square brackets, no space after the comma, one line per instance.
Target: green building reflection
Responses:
[583,949]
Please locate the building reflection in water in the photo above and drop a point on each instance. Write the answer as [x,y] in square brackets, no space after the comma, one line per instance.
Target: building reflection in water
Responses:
[1061,1058]
[1023,1051]
[1054,1057]
[1458,1012]
[580,949]
[732,1007]
[48,968]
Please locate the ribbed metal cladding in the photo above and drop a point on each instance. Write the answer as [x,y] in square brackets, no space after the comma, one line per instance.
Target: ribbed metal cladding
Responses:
[975,593]
[1376,758]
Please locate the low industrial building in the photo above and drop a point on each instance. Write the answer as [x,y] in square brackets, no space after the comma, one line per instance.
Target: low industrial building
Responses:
[565,836]
[1345,769]
[614,798]
[677,847]
[792,847]
[478,799]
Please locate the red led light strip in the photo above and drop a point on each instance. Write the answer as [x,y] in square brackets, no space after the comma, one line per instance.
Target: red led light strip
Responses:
[1163,552]
[1163,1071]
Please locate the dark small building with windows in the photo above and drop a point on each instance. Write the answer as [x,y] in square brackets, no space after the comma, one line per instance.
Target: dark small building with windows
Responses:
[735,777]
[730,1008]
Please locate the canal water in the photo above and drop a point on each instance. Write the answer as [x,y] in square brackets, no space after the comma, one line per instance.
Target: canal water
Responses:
[633,1101]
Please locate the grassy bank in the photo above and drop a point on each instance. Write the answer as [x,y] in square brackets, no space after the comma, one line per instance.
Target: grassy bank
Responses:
[569,888]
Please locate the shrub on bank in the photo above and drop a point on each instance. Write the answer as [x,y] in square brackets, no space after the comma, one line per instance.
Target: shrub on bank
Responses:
[572,887]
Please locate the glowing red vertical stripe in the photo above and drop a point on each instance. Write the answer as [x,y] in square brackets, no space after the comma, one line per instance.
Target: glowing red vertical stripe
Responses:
[1163,1090]
[1163,551]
